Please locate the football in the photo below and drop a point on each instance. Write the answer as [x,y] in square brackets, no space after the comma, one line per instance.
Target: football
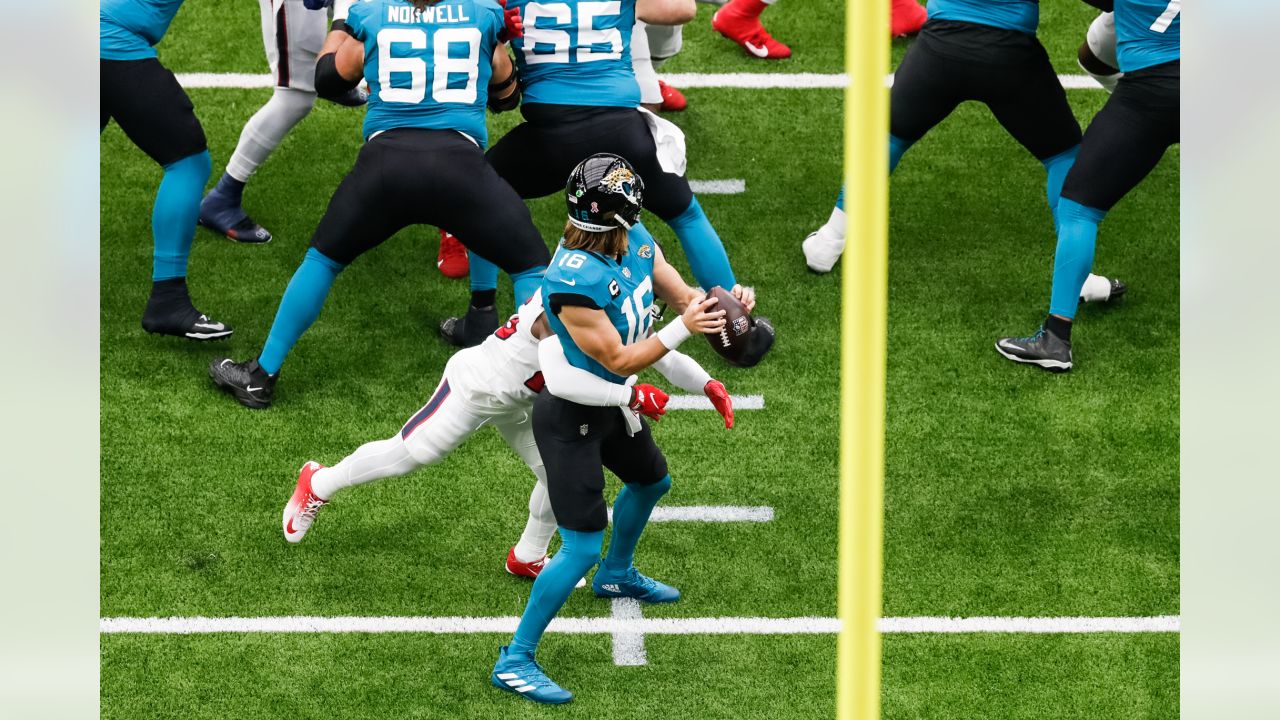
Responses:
[731,342]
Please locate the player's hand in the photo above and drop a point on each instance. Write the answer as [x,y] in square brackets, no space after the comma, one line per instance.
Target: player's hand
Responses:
[745,295]
[513,24]
[649,401]
[316,4]
[720,400]
[700,317]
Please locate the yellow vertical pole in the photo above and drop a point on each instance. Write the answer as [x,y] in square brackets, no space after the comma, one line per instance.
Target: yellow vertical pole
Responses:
[862,358]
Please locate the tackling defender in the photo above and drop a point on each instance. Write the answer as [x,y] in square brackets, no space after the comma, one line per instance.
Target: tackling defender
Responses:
[599,290]
[1125,141]
[495,383]
[146,101]
[581,98]
[293,32]
[431,67]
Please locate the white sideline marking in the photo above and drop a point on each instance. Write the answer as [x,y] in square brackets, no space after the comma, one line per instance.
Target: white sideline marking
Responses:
[701,402]
[733,186]
[628,625]
[752,81]
[708,513]
[628,647]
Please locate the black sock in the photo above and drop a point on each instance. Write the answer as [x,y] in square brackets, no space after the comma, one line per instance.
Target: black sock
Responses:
[1058,326]
[483,298]
[169,290]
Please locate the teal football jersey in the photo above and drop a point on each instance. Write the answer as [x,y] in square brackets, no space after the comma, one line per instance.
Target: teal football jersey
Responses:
[430,68]
[1019,15]
[577,53]
[622,288]
[1148,32]
[129,29]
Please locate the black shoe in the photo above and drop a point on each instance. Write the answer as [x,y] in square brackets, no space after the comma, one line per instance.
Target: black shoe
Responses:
[1043,349]
[247,381]
[759,341]
[224,216]
[183,321]
[1118,288]
[471,330]
[355,97]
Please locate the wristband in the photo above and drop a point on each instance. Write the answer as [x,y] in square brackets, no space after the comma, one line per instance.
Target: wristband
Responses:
[673,334]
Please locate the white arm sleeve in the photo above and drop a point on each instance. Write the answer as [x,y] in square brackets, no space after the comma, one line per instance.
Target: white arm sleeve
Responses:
[340,8]
[575,384]
[683,371]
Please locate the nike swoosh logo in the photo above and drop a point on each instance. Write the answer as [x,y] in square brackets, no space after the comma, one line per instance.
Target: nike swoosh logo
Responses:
[210,326]
[290,528]
[758,50]
[570,282]
[251,388]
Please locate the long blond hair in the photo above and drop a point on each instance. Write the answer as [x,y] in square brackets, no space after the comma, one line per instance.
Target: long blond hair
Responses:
[610,242]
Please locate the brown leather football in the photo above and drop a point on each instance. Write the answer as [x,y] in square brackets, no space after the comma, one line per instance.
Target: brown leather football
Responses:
[731,342]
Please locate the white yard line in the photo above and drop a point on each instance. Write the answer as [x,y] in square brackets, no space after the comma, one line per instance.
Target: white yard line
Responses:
[701,402]
[733,186]
[752,81]
[627,624]
[628,647]
[711,513]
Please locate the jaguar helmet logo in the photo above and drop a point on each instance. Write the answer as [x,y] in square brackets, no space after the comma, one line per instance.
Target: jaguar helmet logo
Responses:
[622,181]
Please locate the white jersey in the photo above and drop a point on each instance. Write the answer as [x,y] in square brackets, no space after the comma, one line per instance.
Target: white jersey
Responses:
[501,374]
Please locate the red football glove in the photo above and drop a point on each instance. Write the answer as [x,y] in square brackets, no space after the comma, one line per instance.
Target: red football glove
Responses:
[649,401]
[720,400]
[513,24]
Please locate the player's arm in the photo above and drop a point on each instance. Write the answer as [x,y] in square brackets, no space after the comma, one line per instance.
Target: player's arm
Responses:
[340,66]
[666,12]
[669,287]
[504,91]
[577,385]
[685,373]
[595,335]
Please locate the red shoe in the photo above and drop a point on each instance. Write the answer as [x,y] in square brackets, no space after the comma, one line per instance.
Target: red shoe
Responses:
[530,569]
[303,506]
[908,18]
[672,99]
[452,260]
[743,27]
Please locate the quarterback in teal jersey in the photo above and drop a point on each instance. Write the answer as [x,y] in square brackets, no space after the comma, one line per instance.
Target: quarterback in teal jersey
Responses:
[599,291]
[1123,144]
[152,109]
[432,67]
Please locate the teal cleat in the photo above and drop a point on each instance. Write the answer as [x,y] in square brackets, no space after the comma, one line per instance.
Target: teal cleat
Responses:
[631,584]
[523,676]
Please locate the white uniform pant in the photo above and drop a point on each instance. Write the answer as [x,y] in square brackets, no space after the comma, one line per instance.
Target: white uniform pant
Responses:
[652,45]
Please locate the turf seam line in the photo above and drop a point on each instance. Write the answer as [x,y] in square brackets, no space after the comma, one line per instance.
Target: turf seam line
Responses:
[747,81]
[702,402]
[641,626]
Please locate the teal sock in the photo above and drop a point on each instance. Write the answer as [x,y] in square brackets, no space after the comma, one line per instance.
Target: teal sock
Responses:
[527,283]
[702,246]
[631,512]
[1056,169]
[173,219]
[578,554]
[299,307]
[840,199]
[897,148]
[1077,237]
[484,274]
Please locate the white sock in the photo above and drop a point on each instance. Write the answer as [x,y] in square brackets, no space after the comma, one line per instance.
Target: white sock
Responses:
[264,131]
[540,528]
[1095,289]
[371,461]
[834,229]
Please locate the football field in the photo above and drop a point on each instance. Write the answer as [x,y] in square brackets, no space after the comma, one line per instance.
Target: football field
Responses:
[1010,493]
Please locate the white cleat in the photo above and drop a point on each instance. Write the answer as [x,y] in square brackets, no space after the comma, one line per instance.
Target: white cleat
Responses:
[301,511]
[821,252]
[1099,289]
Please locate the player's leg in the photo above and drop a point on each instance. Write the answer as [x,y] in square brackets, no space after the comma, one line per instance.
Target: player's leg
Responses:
[665,42]
[568,437]
[906,17]
[642,66]
[427,438]
[739,20]
[155,113]
[1124,142]
[638,462]
[1097,54]
[360,216]
[824,246]
[292,36]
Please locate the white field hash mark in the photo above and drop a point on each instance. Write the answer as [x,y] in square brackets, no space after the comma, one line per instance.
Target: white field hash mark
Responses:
[702,402]
[749,81]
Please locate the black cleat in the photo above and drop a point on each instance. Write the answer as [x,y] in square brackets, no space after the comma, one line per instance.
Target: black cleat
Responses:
[355,97]
[759,342]
[247,381]
[225,217]
[471,330]
[1118,289]
[186,322]
[1044,349]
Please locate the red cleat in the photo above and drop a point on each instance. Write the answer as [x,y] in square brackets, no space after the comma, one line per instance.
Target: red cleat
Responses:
[739,21]
[452,260]
[672,99]
[303,506]
[530,569]
[908,18]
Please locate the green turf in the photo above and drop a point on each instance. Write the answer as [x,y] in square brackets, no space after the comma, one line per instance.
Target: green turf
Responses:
[1009,491]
